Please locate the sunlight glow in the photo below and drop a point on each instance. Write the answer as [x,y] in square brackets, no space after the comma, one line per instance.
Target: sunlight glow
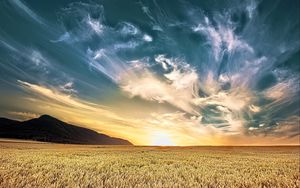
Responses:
[161,139]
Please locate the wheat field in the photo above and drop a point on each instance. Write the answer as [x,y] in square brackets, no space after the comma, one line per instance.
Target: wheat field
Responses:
[55,165]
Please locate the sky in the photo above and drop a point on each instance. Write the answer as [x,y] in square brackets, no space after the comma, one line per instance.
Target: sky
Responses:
[156,72]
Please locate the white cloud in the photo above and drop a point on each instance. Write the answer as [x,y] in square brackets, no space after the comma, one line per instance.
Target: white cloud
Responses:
[179,123]
[107,63]
[57,96]
[126,45]
[183,79]
[128,29]
[278,91]
[147,38]
[235,100]
[65,37]
[252,128]
[68,87]
[19,4]
[25,115]
[37,58]
[178,88]
[251,8]
[221,35]
[254,108]
[214,37]
[95,25]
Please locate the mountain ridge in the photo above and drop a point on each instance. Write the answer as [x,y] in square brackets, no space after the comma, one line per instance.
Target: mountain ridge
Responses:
[50,129]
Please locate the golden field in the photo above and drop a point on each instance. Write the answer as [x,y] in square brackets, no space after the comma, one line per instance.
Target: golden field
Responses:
[25,164]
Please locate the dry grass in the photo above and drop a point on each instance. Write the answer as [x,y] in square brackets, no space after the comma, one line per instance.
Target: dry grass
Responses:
[53,165]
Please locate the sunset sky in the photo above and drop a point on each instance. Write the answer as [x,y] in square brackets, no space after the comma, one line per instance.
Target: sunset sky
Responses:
[156,72]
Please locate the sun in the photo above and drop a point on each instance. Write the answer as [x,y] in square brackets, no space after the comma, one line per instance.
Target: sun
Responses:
[161,139]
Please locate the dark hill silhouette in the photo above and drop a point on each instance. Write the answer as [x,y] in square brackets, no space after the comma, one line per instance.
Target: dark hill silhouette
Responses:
[50,129]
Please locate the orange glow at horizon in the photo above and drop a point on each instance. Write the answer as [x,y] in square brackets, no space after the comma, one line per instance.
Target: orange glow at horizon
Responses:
[139,124]
[161,139]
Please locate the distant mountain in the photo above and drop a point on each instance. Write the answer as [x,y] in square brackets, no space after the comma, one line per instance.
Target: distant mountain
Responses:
[50,129]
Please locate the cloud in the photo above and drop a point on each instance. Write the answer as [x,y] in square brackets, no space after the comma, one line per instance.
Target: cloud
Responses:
[126,28]
[251,9]
[95,25]
[287,128]
[182,128]
[24,115]
[221,35]
[84,22]
[83,113]
[80,24]
[19,4]
[58,96]
[107,63]
[38,59]
[4,43]
[236,99]
[126,45]
[66,37]
[254,108]
[284,129]
[202,85]
[214,36]
[52,101]
[279,91]
[147,38]
[68,87]
[177,88]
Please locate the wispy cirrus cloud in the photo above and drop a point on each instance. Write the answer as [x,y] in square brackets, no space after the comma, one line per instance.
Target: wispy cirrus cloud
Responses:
[24,115]
[23,7]
[202,77]
[68,87]
[222,35]
[58,97]
[177,87]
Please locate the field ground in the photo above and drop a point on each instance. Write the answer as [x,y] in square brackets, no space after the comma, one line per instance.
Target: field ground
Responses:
[30,164]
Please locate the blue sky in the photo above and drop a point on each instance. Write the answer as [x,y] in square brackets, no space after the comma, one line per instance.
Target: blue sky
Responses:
[190,73]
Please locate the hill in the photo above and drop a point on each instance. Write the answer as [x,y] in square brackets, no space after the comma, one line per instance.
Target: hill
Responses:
[50,129]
